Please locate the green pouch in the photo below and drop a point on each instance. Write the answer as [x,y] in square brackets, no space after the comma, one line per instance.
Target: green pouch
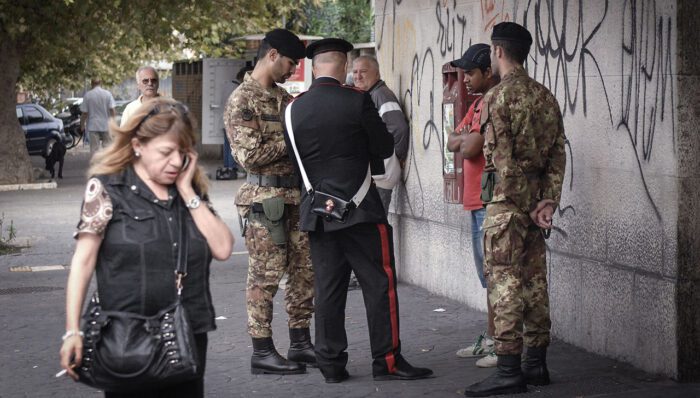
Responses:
[274,213]
[488,183]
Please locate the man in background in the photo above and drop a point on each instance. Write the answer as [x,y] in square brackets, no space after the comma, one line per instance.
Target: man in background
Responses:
[365,74]
[467,139]
[97,108]
[147,82]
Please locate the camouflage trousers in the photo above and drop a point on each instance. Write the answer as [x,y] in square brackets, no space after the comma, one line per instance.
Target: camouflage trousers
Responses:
[267,264]
[516,272]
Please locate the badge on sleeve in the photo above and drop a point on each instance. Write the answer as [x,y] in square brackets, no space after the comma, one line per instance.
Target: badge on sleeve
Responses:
[247,115]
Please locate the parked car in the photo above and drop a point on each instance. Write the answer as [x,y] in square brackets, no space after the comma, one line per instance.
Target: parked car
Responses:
[40,128]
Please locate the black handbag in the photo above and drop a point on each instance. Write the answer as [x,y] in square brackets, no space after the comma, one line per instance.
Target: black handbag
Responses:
[125,351]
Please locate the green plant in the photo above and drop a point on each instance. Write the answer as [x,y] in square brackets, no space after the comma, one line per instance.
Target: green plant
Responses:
[6,245]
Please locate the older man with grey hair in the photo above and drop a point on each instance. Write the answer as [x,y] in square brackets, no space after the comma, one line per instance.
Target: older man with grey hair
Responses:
[365,74]
[147,82]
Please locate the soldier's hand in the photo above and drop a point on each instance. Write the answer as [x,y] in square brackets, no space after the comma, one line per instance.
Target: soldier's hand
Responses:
[543,213]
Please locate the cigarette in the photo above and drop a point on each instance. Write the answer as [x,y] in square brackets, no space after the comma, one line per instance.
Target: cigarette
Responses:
[61,373]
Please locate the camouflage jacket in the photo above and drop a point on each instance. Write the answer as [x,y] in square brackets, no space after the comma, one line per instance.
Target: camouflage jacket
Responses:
[254,127]
[523,141]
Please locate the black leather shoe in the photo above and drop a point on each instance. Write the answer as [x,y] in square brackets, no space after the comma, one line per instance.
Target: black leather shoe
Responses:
[535,366]
[337,377]
[508,379]
[300,348]
[402,371]
[267,360]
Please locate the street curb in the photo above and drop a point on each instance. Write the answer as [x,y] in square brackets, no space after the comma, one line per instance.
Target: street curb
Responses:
[27,187]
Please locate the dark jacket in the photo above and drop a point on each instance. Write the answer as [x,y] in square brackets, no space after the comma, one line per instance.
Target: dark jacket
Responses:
[338,132]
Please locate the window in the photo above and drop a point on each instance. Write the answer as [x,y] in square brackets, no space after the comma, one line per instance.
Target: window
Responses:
[19,115]
[34,115]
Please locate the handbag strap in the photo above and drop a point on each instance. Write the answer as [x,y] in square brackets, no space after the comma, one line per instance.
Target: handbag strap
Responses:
[364,188]
[182,252]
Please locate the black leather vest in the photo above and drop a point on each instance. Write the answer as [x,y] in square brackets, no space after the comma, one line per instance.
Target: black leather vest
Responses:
[137,259]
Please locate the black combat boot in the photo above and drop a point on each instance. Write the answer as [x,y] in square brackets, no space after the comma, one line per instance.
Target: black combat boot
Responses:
[266,359]
[508,379]
[300,348]
[535,366]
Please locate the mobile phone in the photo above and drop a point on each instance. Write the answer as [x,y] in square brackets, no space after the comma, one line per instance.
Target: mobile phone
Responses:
[185,162]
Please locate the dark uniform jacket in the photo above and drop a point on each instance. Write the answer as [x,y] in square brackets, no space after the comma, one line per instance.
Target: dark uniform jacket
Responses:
[338,132]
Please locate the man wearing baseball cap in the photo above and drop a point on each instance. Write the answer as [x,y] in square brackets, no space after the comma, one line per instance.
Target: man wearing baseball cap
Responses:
[467,138]
[525,159]
[269,201]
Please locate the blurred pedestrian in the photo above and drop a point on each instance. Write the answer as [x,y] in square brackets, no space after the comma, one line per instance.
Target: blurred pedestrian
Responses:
[97,108]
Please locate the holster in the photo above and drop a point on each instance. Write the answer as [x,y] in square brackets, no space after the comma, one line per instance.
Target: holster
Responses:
[270,213]
[488,184]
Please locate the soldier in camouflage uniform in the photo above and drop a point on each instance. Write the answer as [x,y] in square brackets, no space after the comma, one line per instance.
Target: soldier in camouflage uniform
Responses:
[269,201]
[525,161]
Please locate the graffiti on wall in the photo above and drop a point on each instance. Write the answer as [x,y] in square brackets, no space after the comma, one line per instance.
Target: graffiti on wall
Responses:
[568,52]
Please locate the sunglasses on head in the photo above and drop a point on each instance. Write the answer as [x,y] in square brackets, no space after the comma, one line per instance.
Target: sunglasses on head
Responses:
[149,81]
[182,108]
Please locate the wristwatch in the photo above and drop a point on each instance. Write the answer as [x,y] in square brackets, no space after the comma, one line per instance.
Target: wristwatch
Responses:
[194,202]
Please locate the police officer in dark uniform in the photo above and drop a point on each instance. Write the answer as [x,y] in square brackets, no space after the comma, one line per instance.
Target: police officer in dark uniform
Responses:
[338,133]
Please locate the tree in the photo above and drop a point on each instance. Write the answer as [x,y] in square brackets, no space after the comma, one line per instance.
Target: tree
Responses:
[351,20]
[47,44]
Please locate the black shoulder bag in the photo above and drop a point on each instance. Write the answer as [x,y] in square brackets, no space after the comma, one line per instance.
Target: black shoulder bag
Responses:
[331,208]
[125,351]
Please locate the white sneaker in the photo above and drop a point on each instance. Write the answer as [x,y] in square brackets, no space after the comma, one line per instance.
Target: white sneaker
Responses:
[482,346]
[488,361]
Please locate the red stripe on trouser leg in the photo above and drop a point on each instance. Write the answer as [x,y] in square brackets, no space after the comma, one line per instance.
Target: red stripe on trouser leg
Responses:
[386,265]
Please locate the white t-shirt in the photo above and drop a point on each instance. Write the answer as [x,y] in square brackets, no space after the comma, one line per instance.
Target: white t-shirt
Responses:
[97,103]
[131,108]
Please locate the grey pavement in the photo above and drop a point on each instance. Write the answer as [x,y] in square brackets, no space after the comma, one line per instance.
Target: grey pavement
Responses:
[32,321]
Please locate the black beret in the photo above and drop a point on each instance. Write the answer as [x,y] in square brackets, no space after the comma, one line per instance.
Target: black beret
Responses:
[326,45]
[286,43]
[476,56]
[511,31]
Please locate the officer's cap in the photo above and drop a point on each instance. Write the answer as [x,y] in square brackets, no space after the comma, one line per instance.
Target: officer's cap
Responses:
[286,43]
[511,31]
[326,45]
[476,56]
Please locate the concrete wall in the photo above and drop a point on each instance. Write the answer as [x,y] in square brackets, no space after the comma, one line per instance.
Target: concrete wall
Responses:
[614,262]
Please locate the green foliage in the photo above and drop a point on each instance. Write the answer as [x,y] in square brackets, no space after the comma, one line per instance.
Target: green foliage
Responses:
[62,43]
[351,20]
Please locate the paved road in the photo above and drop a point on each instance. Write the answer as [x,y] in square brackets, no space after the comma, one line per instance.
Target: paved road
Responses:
[32,316]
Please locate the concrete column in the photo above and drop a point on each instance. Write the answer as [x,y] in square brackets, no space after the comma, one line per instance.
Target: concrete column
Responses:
[688,292]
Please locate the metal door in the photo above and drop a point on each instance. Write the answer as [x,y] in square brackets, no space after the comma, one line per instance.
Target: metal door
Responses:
[217,85]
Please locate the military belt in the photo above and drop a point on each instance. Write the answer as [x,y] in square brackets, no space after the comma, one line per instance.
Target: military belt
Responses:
[530,176]
[264,180]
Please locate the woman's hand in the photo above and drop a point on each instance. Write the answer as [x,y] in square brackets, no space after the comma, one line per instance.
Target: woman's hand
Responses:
[184,179]
[72,355]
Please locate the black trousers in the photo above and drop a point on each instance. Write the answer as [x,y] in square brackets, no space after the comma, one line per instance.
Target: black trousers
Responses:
[368,250]
[189,389]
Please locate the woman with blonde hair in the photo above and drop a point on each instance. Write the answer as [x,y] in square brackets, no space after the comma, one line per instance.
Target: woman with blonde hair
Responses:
[139,188]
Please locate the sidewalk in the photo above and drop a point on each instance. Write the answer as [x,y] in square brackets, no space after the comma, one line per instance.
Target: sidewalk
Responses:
[32,317]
